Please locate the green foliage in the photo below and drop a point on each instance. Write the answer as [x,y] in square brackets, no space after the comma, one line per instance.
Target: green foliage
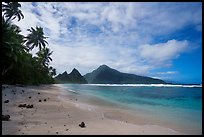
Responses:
[36,38]
[11,9]
[43,56]
[11,45]
[18,65]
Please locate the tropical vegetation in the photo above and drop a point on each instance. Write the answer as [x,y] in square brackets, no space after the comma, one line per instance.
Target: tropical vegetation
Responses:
[19,65]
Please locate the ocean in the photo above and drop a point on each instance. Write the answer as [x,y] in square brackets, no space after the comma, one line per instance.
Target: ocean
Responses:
[177,106]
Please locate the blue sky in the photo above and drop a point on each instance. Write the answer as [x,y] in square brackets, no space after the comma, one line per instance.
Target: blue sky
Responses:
[157,39]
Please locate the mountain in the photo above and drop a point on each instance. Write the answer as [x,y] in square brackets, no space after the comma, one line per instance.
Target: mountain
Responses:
[74,77]
[107,75]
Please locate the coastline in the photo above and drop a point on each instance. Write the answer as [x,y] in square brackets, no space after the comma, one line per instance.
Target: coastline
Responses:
[58,116]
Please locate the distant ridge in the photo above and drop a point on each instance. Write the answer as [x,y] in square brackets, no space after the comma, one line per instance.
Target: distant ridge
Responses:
[106,75]
[74,77]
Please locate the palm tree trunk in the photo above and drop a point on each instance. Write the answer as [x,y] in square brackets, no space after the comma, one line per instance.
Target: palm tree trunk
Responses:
[4,71]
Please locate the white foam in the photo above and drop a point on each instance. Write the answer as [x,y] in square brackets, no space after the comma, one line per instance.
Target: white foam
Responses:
[72,91]
[147,85]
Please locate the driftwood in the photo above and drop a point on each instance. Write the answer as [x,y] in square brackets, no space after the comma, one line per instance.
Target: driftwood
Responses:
[22,105]
[26,105]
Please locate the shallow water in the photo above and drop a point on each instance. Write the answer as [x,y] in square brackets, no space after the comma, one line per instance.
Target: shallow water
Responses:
[177,106]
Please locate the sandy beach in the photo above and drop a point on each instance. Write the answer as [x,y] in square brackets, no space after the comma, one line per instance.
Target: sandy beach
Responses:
[53,115]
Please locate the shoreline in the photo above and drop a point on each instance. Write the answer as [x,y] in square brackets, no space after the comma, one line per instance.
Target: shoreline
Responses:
[58,116]
[138,115]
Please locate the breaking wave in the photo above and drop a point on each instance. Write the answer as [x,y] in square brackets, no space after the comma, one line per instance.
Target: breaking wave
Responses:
[149,85]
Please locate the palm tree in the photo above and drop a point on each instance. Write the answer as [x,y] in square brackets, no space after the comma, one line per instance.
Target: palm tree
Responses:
[11,9]
[43,56]
[52,71]
[36,38]
[11,47]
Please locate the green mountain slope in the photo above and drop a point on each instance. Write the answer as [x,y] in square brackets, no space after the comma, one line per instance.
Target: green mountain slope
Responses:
[107,75]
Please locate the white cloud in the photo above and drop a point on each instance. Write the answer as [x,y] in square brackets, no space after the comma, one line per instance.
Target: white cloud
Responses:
[165,75]
[125,31]
[30,19]
[163,52]
[86,57]
[128,20]
[167,72]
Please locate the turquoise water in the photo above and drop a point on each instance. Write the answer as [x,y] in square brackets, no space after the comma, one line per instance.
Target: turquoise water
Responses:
[179,105]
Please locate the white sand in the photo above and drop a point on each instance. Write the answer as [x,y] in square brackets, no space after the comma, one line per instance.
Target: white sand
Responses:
[57,116]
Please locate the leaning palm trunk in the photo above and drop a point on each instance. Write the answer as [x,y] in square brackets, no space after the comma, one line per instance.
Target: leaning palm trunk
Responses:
[4,71]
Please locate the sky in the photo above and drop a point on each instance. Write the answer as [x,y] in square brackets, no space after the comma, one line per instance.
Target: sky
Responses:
[157,39]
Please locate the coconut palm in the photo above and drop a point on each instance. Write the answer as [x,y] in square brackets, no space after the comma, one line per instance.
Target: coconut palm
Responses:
[11,45]
[43,56]
[11,9]
[36,38]
[52,71]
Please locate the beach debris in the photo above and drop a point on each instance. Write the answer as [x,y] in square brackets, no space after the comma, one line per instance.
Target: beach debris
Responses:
[64,125]
[57,132]
[20,85]
[5,117]
[38,93]
[29,106]
[67,129]
[4,86]
[22,105]
[6,101]
[82,125]
[5,94]
[25,105]
[29,97]
[40,100]
[44,99]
